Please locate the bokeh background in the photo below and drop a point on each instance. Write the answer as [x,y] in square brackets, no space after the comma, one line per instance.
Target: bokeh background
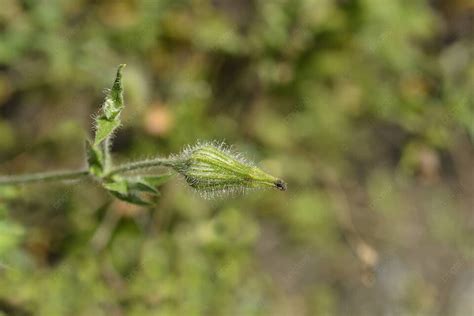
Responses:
[364,107]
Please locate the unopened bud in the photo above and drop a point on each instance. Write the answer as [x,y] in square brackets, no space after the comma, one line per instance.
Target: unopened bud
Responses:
[214,170]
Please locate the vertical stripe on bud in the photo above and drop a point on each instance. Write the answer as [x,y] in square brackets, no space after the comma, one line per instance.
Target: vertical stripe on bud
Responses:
[214,170]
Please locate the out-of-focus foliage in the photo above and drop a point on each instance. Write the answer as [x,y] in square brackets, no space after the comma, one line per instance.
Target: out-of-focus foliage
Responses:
[365,107]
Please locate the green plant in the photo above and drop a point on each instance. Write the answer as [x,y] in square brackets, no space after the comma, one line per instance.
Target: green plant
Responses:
[212,169]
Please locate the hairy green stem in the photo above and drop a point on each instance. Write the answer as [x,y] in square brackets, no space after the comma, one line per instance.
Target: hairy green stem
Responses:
[107,157]
[44,176]
[157,162]
[78,174]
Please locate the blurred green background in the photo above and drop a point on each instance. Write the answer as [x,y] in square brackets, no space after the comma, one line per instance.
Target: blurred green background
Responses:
[364,107]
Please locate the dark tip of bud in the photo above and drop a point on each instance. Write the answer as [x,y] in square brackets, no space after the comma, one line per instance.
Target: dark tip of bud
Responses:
[280,185]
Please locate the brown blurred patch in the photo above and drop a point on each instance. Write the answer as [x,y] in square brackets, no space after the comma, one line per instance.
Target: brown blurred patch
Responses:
[124,209]
[158,120]
[429,164]
[414,87]
[118,13]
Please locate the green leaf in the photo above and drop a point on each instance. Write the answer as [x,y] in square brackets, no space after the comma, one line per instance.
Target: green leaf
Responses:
[148,184]
[142,185]
[105,128]
[158,180]
[137,190]
[117,185]
[95,159]
[121,189]
[113,103]
[109,119]
[132,198]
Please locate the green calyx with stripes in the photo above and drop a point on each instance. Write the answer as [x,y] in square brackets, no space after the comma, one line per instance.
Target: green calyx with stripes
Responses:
[214,170]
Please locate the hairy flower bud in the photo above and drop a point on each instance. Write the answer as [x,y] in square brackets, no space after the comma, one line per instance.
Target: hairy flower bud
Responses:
[214,170]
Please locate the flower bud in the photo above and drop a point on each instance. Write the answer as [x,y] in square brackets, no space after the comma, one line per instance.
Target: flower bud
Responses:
[214,170]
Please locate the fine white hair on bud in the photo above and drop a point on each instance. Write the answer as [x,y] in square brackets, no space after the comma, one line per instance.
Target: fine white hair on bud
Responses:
[213,169]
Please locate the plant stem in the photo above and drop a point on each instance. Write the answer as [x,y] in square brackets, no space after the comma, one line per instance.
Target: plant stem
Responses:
[107,157]
[77,174]
[165,162]
[44,176]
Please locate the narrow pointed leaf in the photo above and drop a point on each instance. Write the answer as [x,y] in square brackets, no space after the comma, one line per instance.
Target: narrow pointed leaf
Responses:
[119,186]
[113,103]
[142,186]
[105,128]
[158,180]
[109,118]
[135,191]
